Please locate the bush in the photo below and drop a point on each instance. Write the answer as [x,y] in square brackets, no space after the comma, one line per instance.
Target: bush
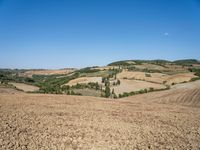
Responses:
[65,87]
[164,82]
[147,75]
[118,82]
[151,89]
[30,80]
[115,96]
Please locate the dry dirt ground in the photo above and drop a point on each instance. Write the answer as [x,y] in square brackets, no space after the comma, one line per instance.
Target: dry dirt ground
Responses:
[159,120]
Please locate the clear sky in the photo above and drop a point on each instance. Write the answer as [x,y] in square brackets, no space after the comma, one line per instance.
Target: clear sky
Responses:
[79,33]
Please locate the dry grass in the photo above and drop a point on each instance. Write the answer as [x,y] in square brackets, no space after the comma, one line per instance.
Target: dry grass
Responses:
[25,87]
[179,78]
[148,121]
[6,90]
[84,80]
[150,66]
[157,77]
[135,85]
[88,92]
[47,72]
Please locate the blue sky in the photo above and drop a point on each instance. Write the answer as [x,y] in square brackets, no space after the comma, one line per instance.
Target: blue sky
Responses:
[79,33]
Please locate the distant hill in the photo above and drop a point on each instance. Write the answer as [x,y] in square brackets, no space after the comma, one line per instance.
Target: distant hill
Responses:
[186,61]
[138,62]
[156,61]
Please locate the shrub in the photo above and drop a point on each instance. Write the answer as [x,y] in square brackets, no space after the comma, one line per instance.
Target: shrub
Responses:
[147,75]
[115,76]
[113,91]
[115,96]
[151,89]
[118,82]
[164,82]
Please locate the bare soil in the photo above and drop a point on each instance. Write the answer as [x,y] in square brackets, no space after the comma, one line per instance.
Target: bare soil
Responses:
[159,120]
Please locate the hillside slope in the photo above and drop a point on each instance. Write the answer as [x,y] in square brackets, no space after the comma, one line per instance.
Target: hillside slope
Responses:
[157,120]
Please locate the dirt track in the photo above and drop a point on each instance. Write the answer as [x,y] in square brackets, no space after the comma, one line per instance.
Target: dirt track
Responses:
[30,121]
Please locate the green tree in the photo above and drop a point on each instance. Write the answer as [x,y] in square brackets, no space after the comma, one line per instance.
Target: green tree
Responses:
[107,91]
[118,82]
[113,91]
[115,76]
[103,80]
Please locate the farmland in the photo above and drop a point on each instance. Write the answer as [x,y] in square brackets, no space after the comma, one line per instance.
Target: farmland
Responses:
[111,81]
[159,120]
